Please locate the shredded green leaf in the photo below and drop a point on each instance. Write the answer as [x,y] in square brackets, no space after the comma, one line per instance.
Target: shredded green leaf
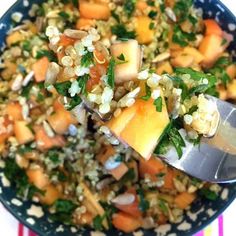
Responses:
[148,93]
[143,203]
[158,104]
[122,33]
[111,73]
[208,194]
[63,87]
[87,60]
[129,7]
[75,101]
[46,53]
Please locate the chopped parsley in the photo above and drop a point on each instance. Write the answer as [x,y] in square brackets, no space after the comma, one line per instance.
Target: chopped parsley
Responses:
[64,15]
[75,101]
[111,73]
[182,38]
[163,207]
[63,87]
[26,45]
[208,194]
[143,203]
[121,32]
[152,14]
[46,53]
[151,25]
[115,16]
[87,59]
[182,9]
[24,149]
[97,222]
[82,82]
[148,93]
[158,104]
[129,7]
[53,156]
[26,90]
[121,57]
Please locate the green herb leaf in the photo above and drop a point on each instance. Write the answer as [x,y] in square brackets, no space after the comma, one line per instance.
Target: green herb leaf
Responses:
[115,16]
[53,156]
[82,82]
[26,45]
[75,101]
[121,57]
[46,53]
[129,7]
[64,15]
[163,206]
[208,194]
[143,203]
[122,33]
[182,9]
[63,87]
[64,206]
[26,90]
[177,140]
[160,175]
[111,73]
[192,109]
[152,14]
[129,176]
[148,93]
[87,60]
[24,149]
[158,104]
[97,222]
[198,89]
[151,25]
[151,3]
[182,38]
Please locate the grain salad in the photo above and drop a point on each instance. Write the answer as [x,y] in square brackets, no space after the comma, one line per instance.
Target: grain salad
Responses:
[92,92]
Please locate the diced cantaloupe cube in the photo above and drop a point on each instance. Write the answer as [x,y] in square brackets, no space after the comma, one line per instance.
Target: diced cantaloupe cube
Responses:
[211,48]
[131,51]
[14,111]
[231,71]
[198,57]
[6,131]
[40,69]
[94,10]
[22,132]
[84,24]
[183,200]
[50,196]
[44,142]
[37,177]
[14,37]
[145,35]
[143,131]
[183,60]
[119,171]
[212,27]
[164,67]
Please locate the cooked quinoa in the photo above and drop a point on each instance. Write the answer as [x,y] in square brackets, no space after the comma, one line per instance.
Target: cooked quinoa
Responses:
[92,92]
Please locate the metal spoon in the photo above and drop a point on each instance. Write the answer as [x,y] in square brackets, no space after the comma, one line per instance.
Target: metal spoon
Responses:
[214,160]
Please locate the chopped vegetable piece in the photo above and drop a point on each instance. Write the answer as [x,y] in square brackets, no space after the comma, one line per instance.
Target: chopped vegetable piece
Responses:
[22,132]
[40,69]
[84,24]
[183,200]
[14,111]
[122,33]
[14,38]
[212,27]
[131,51]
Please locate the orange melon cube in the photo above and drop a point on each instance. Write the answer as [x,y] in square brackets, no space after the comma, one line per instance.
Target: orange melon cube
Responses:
[50,196]
[84,24]
[183,200]
[164,67]
[40,69]
[14,111]
[144,33]
[144,129]
[198,57]
[212,27]
[14,37]
[22,132]
[119,171]
[94,10]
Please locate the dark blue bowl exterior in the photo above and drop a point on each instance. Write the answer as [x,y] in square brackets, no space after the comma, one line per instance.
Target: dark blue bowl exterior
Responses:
[211,9]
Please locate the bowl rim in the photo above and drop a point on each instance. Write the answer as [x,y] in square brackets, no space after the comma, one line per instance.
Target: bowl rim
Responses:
[197,229]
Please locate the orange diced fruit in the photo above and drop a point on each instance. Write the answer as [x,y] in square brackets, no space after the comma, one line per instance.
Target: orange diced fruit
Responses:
[119,171]
[131,51]
[144,127]
[14,111]
[164,67]
[14,37]
[84,24]
[211,48]
[125,222]
[183,200]
[231,71]
[44,142]
[22,132]
[94,10]
[198,57]
[40,69]
[151,167]
[50,196]
[212,27]
[145,35]
[37,177]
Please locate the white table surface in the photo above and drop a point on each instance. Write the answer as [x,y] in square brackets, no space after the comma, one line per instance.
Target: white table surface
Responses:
[229,217]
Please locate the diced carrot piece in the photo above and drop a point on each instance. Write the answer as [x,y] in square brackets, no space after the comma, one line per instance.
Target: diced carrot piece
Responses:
[61,119]
[84,24]
[141,5]
[211,48]
[212,27]
[164,67]
[37,177]
[152,167]
[168,179]
[133,208]
[40,69]
[6,130]
[105,153]
[125,222]
[231,71]
[119,171]
[14,111]
[144,33]
[14,37]
[22,132]
[183,200]
[50,196]
[44,142]
[95,10]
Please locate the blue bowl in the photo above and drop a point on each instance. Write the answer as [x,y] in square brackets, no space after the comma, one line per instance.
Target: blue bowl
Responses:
[204,210]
